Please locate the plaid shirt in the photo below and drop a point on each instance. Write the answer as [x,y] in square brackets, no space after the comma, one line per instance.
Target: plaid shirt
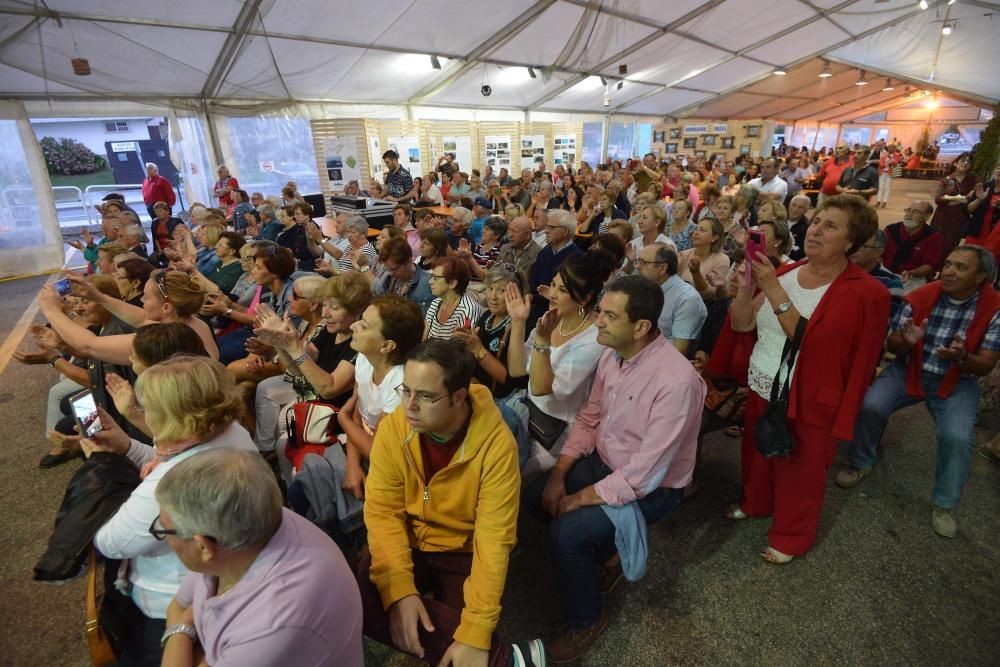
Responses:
[947,319]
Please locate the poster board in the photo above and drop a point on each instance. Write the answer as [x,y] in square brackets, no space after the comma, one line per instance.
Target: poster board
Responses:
[462,148]
[375,155]
[564,150]
[408,149]
[532,151]
[340,156]
[498,152]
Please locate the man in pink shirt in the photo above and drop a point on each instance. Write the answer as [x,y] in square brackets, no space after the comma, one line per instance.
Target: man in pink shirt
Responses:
[632,446]
[266,587]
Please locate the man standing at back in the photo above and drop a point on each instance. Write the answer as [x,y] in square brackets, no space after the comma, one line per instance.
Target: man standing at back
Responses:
[441,502]
[398,182]
[625,464]
[831,171]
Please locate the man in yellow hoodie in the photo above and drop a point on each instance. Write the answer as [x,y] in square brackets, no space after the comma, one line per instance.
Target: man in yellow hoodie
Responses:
[441,502]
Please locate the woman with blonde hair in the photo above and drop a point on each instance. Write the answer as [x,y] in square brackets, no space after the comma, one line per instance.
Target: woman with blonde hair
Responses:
[192,406]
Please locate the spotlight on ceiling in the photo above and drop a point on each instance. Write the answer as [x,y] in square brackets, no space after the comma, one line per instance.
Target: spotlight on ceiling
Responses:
[861,80]
[923,4]
[435,63]
[621,84]
[888,85]
[948,27]
[780,72]
[825,74]
[604,82]
[531,73]
[951,2]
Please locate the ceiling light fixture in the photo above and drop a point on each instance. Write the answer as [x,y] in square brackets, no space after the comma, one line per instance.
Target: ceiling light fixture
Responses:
[621,84]
[948,27]
[861,81]
[951,2]
[780,72]
[435,63]
[888,85]
[531,73]
[825,74]
[923,4]
[604,82]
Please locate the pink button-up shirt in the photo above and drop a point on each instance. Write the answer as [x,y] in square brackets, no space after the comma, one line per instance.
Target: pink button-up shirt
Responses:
[643,417]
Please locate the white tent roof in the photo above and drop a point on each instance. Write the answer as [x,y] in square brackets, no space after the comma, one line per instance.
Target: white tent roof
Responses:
[713,58]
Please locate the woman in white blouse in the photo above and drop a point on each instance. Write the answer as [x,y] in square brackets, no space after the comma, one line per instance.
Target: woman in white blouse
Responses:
[561,354]
[191,405]
[453,307]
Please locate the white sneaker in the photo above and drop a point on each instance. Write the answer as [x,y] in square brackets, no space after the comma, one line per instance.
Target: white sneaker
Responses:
[528,654]
[943,522]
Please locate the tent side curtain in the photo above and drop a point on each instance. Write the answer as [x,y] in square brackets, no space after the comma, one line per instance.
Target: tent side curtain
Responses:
[30,241]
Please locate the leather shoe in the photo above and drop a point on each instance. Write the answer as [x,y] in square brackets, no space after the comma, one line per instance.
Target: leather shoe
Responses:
[610,575]
[849,477]
[943,522]
[570,644]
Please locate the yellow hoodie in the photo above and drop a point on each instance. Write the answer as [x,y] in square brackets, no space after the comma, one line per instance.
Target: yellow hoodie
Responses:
[471,505]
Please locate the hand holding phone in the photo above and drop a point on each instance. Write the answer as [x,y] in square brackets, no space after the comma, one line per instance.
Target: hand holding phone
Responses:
[85,412]
[63,286]
[756,245]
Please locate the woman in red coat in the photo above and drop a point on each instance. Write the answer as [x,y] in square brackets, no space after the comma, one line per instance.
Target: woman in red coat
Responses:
[847,314]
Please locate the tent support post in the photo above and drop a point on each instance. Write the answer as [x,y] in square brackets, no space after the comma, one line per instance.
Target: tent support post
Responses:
[840,128]
[213,139]
[605,129]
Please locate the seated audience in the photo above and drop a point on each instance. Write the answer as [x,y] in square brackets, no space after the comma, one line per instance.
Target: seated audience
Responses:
[560,228]
[869,258]
[521,250]
[448,536]
[704,265]
[458,226]
[624,465]
[945,336]
[684,310]
[487,251]
[402,276]
[162,228]
[680,226]
[913,247]
[433,245]
[301,235]
[777,240]
[798,224]
[452,306]
[131,276]
[264,584]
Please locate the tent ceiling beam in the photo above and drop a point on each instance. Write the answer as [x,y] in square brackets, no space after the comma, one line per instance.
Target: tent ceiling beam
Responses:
[649,39]
[231,48]
[807,102]
[99,18]
[17,33]
[970,98]
[851,116]
[825,13]
[471,60]
[871,31]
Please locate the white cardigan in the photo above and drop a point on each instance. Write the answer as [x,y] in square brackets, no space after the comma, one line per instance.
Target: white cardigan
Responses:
[155,572]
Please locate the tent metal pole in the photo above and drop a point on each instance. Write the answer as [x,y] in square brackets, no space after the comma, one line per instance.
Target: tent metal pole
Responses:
[213,139]
[840,129]
[605,130]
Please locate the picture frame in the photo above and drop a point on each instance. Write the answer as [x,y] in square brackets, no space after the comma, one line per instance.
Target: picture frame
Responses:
[670,148]
[744,149]
[675,133]
[728,142]
[658,137]
[699,153]
[708,139]
[690,142]
[753,131]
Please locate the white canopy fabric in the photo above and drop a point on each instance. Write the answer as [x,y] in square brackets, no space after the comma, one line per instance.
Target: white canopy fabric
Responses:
[710,58]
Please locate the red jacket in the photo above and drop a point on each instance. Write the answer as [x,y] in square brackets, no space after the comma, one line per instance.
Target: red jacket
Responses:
[840,349]
[923,299]
[157,189]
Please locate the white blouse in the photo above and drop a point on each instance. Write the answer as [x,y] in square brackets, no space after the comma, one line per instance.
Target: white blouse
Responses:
[766,355]
[573,366]
[376,400]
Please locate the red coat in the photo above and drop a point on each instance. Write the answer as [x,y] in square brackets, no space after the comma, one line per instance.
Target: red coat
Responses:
[841,346]
[157,189]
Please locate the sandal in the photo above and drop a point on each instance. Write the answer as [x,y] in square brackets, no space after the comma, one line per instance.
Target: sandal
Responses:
[734,513]
[734,431]
[775,557]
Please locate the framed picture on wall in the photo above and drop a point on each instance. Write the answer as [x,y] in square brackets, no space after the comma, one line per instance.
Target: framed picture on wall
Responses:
[657,137]
[744,149]
[708,139]
[690,142]
[699,153]
[670,148]
[675,133]
[728,142]
[753,130]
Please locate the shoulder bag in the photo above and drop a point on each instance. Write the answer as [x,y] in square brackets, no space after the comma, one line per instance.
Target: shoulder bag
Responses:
[542,426]
[312,426]
[771,431]
[101,652]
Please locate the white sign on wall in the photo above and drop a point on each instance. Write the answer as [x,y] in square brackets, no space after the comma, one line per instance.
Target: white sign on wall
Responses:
[267,166]
[711,128]
[532,151]
[498,152]
[342,162]
[123,146]
[461,148]
[375,157]
[408,149]
[564,150]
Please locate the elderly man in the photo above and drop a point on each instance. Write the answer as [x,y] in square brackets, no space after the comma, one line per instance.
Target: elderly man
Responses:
[264,583]
[624,465]
[913,248]
[398,182]
[130,236]
[798,225]
[440,542]
[459,186]
[156,188]
[944,338]
[869,258]
[830,173]
[684,311]
[224,188]
[458,226]
[560,228]
[517,194]
[522,249]
[504,177]
[769,185]
[861,178]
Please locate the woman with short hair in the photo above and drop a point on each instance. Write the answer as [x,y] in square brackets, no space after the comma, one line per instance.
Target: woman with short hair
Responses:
[356,229]
[131,275]
[299,235]
[453,306]
[681,227]
[433,245]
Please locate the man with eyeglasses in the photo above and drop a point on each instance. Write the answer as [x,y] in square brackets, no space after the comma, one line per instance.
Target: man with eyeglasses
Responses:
[441,503]
[684,311]
[560,228]
[913,248]
[868,257]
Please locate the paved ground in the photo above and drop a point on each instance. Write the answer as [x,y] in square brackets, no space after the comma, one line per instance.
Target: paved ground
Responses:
[879,587]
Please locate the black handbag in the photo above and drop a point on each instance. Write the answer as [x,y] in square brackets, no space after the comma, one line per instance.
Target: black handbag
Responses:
[542,426]
[771,430]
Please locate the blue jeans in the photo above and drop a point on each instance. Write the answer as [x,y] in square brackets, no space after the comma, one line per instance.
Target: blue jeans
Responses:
[233,345]
[954,416]
[582,539]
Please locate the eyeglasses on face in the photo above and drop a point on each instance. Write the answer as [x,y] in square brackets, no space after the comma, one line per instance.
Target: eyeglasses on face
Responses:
[422,398]
[435,276]
[157,530]
[643,262]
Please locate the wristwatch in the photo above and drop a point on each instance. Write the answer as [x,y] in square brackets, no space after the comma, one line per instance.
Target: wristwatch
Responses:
[176,629]
[783,308]
[52,362]
[481,354]
[229,312]
[364,269]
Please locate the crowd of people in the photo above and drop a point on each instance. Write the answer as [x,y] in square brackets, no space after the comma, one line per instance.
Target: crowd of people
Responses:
[324,432]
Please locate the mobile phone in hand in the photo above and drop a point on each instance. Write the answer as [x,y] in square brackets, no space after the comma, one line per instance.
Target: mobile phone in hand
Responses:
[63,286]
[85,413]
[756,245]
[468,323]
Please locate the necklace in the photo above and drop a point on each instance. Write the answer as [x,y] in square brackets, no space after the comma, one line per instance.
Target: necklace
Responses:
[497,327]
[575,331]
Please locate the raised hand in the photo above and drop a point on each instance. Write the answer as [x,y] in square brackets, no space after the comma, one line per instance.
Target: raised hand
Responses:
[88,238]
[912,333]
[277,332]
[314,233]
[694,264]
[259,347]
[359,258]
[121,393]
[518,306]
[83,287]
[324,268]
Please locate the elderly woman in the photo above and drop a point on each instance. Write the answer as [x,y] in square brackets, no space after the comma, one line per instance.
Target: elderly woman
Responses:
[954,192]
[746,200]
[356,230]
[131,275]
[487,251]
[736,234]
[375,270]
[192,406]
[452,307]
[302,236]
[162,232]
[459,225]
[704,265]
[778,240]
[839,314]
[652,222]
[224,187]
[603,213]
[681,227]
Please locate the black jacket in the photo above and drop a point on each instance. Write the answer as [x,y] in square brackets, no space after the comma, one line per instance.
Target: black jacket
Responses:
[101,485]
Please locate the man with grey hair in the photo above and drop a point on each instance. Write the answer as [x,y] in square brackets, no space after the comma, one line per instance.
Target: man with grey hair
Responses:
[798,225]
[522,250]
[130,217]
[156,188]
[130,236]
[560,228]
[945,336]
[264,583]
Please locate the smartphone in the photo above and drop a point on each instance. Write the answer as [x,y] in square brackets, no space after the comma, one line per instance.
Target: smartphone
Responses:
[63,286]
[85,412]
[756,245]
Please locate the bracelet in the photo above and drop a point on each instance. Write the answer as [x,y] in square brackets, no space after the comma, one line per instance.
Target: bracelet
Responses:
[541,348]
[301,359]
[229,312]
[481,354]
[53,361]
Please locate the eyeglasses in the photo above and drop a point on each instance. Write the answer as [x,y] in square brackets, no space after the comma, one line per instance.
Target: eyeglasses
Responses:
[422,398]
[435,276]
[160,533]
[643,262]
[916,210]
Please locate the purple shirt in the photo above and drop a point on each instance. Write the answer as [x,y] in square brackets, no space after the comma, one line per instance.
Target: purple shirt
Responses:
[643,417]
[297,604]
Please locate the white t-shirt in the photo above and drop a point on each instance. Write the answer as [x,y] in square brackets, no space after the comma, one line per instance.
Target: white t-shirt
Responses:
[638,243]
[376,400]
[434,194]
[573,366]
[776,184]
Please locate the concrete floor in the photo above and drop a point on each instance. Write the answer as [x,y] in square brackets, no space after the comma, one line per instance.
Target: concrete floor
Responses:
[879,587]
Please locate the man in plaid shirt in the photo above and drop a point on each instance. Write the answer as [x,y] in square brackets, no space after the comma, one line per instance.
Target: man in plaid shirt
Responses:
[945,336]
